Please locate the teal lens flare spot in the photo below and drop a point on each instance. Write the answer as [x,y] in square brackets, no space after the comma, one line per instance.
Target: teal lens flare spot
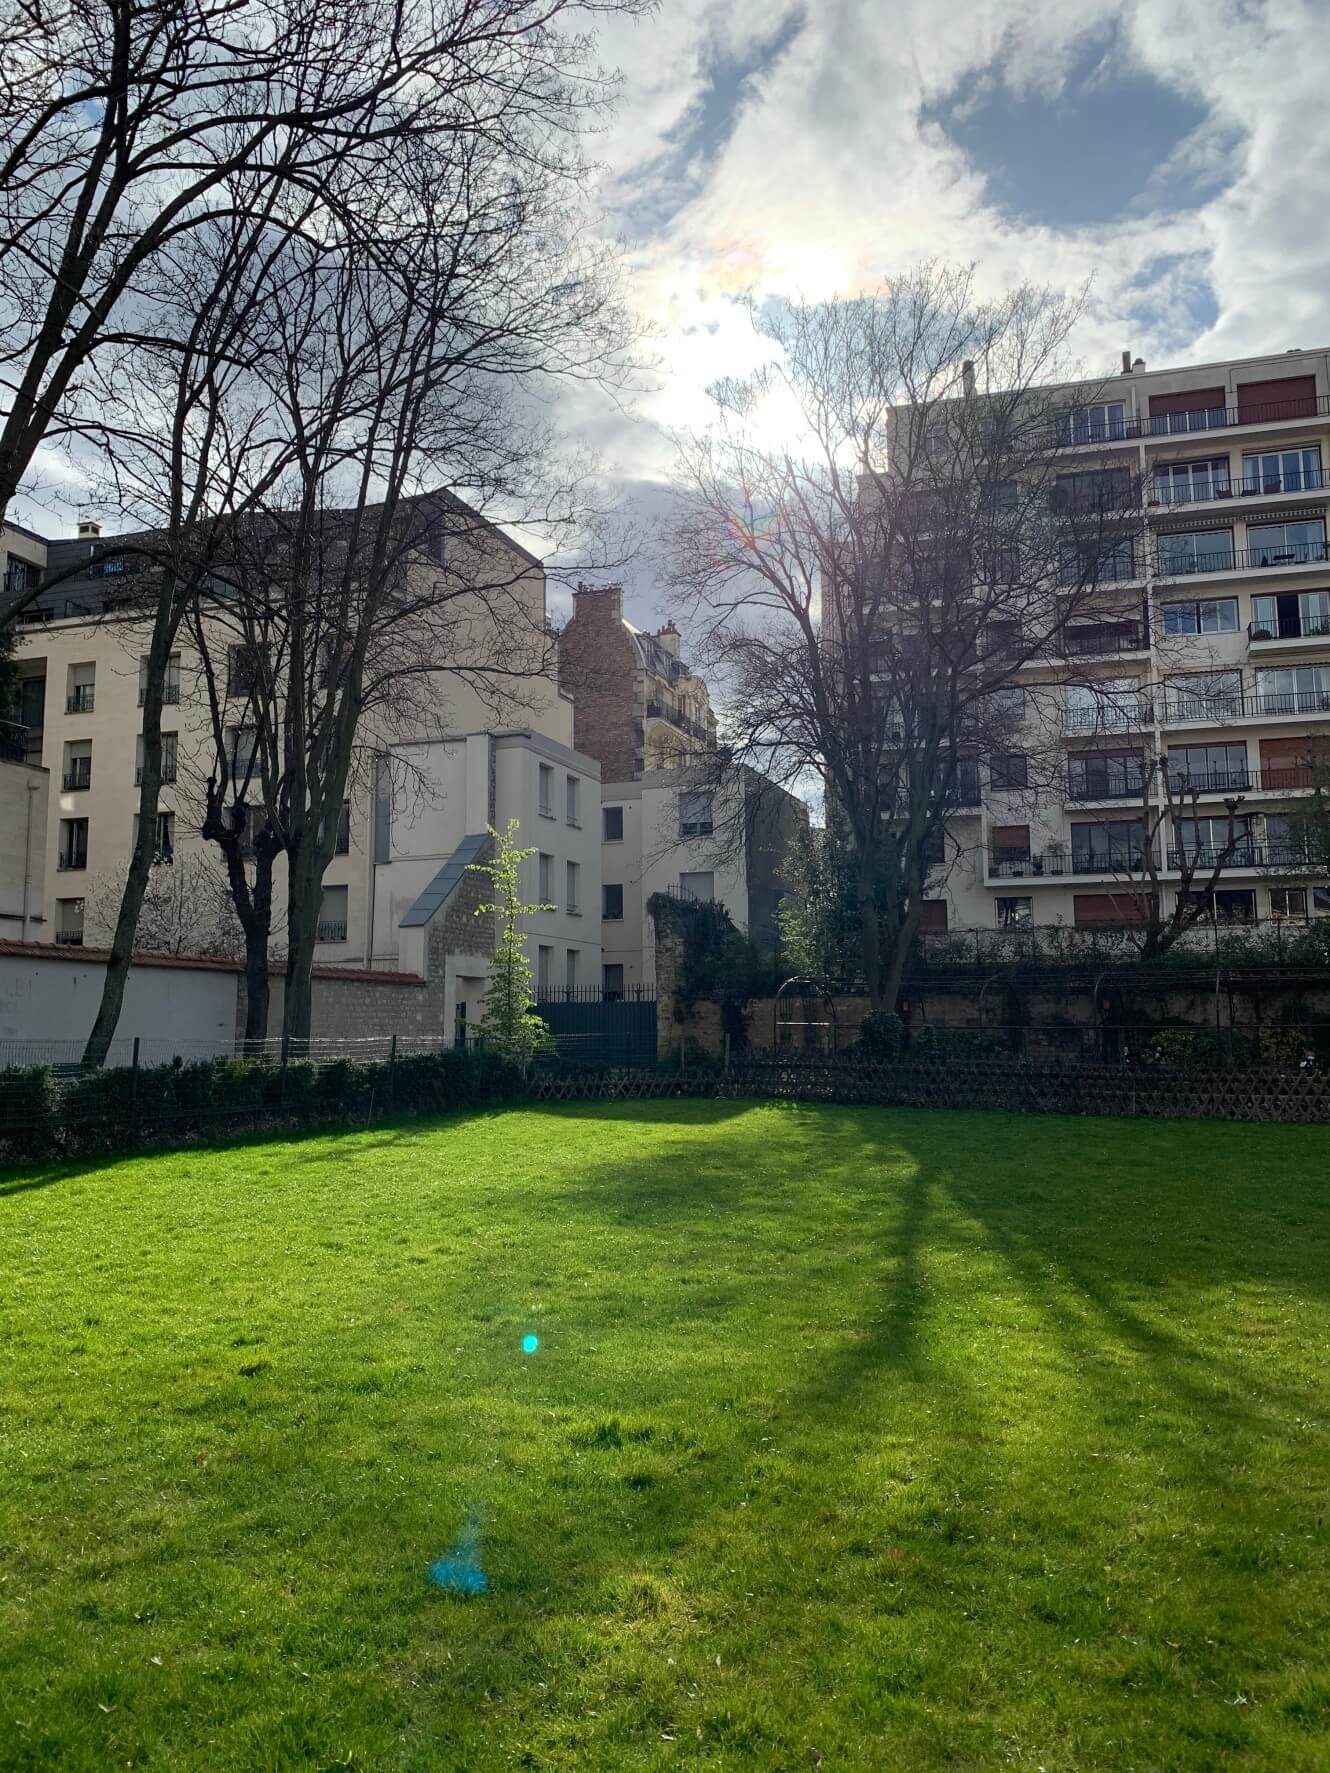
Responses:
[530,1344]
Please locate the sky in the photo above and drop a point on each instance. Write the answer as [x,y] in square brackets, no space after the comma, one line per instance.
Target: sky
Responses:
[1175,156]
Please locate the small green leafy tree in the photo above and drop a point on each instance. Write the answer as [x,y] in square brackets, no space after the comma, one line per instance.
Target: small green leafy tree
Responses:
[819,916]
[509,1025]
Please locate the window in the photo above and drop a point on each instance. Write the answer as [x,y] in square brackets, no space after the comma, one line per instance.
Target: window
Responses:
[1211,615]
[571,787]
[1105,775]
[546,772]
[69,922]
[1285,544]
[1291,615]
[80,691]
[570,969]
[1006,704]
[1205,695]
[612,824]
[546,874]
[1207,839]
[694,814]
[1289,902]
[934,852]
[73,851]
[242,670]
[933,917]
[163,844]
[611,902]
[1225,906]
[1282,470]
[1011,848]
[1192,409]
[1107,561]
[1286,839]
[1196,551]
[169,754]
[611,979]
[256,820]
[573,876]
[1096,489]
[544,966]
[78,764]
[342,845]
[1014,914]
[332,914]
[964,790]
[1101,423]
[1010,769]
[1294,689]
[1207,768]
[697,885]
[1321,901]
[1108,845]
[1188,483]
[242,745]
[20,576]
[170,682]
[1111,704]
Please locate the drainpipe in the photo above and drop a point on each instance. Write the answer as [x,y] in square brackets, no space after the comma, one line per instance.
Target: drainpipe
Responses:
[27,857]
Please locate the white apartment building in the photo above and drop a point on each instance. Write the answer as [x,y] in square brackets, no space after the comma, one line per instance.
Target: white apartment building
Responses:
[1208,650]
[424,798]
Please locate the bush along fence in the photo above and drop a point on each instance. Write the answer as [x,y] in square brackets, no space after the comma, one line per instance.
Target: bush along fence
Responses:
[47,1113]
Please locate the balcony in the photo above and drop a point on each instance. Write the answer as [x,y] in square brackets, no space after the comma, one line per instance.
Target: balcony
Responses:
[69,938]
[77,779]
[1059,863]
[1293,779]
[1220,489]
[1223,710]
[13,742]
[1088,642]
[1064,435]
[1243,855]
[331,930]
[664,711]
[1116,717]
[170,692]
[1087,789]
[80,699]
[1289,628]
[1241,560]
[168,773]
[69,860]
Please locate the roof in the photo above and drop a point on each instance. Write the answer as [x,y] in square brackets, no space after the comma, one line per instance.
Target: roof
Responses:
[445,883]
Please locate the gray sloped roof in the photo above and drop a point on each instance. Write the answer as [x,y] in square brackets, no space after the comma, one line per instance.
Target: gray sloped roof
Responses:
[445,883]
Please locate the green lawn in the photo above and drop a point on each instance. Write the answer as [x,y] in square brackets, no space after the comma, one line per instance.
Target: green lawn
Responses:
[913,1440]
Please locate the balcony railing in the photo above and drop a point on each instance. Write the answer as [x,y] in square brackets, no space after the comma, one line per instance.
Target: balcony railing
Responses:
[13,742]
[80,699]
[663,711]
[170,692]
[1290,628]
[1067,435]
[1243,855]
[1086,789]
[331,929]
[168,773]
[68,860]
[1006,865]
[1240,560]
[1206,492]
[76,779]
[1219,710]
[69,938]
[1116,717]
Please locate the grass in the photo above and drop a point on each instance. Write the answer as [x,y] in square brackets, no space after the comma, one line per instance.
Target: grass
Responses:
[906,1440]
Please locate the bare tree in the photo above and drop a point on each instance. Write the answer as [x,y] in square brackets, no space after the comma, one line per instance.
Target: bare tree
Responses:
[186,908]
[883,561]
[125,127]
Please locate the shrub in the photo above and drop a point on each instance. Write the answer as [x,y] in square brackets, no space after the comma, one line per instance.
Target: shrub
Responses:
[881,1036]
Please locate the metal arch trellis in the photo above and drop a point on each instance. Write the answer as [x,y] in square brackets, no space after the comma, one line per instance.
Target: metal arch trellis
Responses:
[804,993]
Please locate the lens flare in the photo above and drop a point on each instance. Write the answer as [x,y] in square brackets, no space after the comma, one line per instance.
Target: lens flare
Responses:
[530,1344]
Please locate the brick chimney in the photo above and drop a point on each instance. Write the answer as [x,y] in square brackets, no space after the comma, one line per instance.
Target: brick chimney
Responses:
[598,603]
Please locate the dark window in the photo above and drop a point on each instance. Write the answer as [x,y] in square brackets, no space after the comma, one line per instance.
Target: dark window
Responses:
[242,670]
[612,980]
[344,829]
[1105,775]
[613,824]
[1107,845]
[1009,770]
[611,901]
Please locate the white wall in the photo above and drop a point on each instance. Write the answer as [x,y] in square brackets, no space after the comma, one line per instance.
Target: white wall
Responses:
[185,1010]
[518,758]
[24,792]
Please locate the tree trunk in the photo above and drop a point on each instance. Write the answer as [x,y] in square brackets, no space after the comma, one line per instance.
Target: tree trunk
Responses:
[257,990]
[304,884]
[140,864]
[870,944]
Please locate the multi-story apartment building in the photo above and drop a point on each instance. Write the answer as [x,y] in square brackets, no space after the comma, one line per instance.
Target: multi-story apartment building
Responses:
[1203,667]
[671,822]
[425,799]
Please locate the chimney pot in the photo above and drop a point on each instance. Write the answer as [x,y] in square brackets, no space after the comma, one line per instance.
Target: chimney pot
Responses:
[967,377]
[1126,363]
[89,528]
[1139,363]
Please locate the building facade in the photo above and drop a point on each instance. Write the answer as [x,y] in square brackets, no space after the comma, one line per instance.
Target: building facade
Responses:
[1200,681]
[418,799]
